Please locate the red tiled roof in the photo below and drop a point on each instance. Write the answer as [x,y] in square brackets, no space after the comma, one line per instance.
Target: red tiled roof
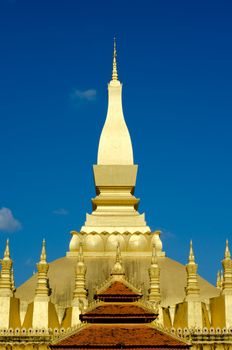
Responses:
[120,336]
[118,290]
[119,311]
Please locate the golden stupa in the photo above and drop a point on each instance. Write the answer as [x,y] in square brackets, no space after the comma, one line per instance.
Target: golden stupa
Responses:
[51,301]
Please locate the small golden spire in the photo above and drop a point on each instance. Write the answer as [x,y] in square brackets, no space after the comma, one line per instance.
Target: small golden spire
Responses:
[191,253]
[222,277]
[154,276]
[7,250]
[118,253]
[154,256]
[80,254]
[80,292]
[219,282]
[227,250]
[5,280]
[192,289]
[227,271]
[114,71]
[43,252]
[12,280]
[118,268]
[42,288]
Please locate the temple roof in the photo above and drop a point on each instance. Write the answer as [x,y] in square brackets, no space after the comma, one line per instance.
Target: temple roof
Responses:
[118,291]
[119,312]
[120,336]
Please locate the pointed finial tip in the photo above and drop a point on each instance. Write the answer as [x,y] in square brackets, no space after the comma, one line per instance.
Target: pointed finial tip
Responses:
[7,250]
[191,253]
[43,252]
[227,250]
[114,71]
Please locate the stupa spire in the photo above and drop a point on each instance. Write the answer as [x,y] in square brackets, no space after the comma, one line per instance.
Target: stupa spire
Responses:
[43,256]
[191,254]
[154,274]
[227,251]
[80,292]
[80,301]
[118,269]
[5,280]
[219,280]
[227,271]
[42,289]
[7,250]
[114,70]
[192,288]
[115,208]
[115,145]
[9,312]
[44,312]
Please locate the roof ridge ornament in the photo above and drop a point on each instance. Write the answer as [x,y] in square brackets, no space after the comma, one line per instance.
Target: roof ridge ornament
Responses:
[42,289]
[118,269]
[227,271]
[7,250]
[192,289]
[43,255]
[6,289]
[227,251]
[154,277]
[191,253]
[114,70]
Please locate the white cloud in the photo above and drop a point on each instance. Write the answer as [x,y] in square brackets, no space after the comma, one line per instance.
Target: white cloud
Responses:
[166,234]
[60,211]
[7,221]
[84,95]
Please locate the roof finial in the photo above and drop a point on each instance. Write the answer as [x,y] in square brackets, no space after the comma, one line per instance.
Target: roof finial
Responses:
[7,250]
[43,252]
[80,292]
[191,253]
[227,271]
[5,280]
[118,253]
[219,281]
[192,288]
[227,250]
[42,289]
[118,268]
[154,275]
[114,71]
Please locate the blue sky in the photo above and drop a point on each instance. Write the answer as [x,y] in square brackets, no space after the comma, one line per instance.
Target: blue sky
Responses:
[174,59]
